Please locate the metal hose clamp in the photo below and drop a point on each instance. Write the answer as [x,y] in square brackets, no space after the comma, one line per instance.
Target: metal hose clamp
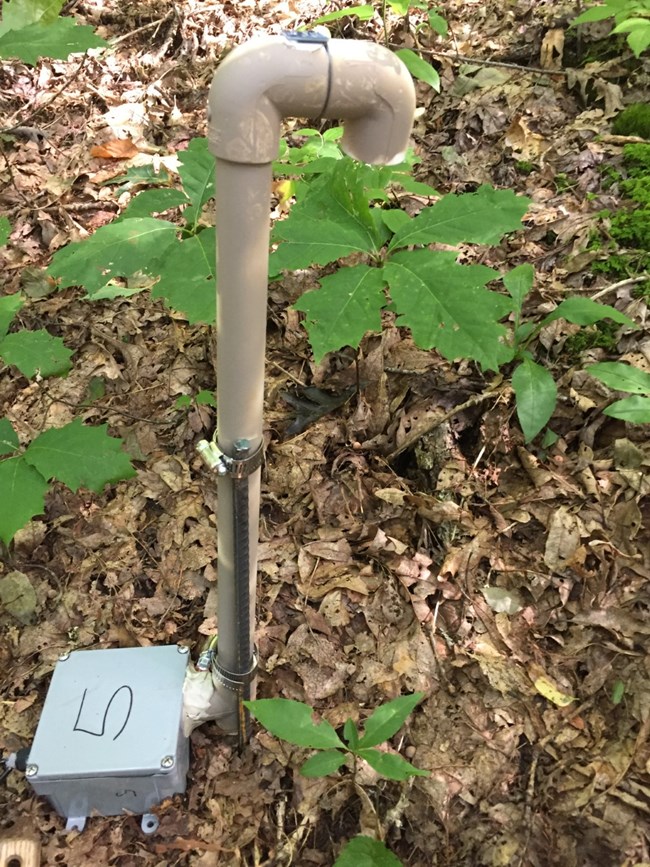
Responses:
[231,680]
[224,465]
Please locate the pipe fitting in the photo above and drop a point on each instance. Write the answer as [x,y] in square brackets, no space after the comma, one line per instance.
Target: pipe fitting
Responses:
[273,77]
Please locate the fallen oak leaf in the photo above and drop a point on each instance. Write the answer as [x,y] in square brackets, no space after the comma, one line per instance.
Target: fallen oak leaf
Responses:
[116,149]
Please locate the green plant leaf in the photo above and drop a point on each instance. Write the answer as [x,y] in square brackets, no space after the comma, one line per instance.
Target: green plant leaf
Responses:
[323,763]
[292,721]
[365,852]
[387,719]
[536,395]
[351,734]
[17,14]
[419,68]
[633,409]
[5,230]
[36,352]
[639,38]
[482,217]
[187,278]
[438,23]
[390,765]
[23,496]
[58,40]
[9,441]
[206,398]
[347,305]
[446,305]
[584,311]
[80,456]
[331,221]
[596,13]
[196,168]
[622,377]
[363,13]
[154,201]
[399,7]
[120,249]
[9,306]
[519,282]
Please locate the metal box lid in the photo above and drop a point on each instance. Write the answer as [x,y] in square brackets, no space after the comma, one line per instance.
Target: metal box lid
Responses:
[111,713]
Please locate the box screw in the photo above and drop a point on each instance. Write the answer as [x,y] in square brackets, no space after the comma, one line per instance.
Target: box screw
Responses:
[167,762]
[31,770]
[64,656]
[182,648]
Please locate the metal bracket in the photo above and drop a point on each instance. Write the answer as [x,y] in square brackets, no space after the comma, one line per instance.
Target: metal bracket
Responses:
[232,681]
[309,37]
[223,465]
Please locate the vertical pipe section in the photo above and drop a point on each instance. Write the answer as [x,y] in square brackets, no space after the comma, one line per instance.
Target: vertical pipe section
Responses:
[243,227]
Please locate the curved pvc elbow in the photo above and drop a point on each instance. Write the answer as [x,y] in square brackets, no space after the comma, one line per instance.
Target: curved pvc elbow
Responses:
[273,77]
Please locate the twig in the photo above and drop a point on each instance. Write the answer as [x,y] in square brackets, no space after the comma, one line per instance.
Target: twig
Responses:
[630,281]
[144,27]
[25,120]
[436,422]
[519,67]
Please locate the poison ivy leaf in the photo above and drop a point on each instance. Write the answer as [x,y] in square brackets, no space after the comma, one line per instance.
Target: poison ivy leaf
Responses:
[187,279]
[323,763]
[622,377]
[150,202]
[387,719]
[365,852]
[633,409]
[36,352]
[80,456]
[9,441]
[9,306]
[419,68]
[390,765]
[438,23]
[363,13]
[519,282]
[5,230]
[596,13]
[347,305]
[482,217]
[292,721]
[331,221]
[536,395]
[17,14]
[197,174]
[23,496]
[118,250]
[58,39]
[446,305]
[584,311]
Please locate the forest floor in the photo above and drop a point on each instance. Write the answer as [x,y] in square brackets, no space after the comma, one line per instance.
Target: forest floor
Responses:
[508,582]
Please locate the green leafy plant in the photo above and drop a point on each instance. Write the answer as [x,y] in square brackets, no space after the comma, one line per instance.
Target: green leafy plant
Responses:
[293,721]
[626,378]
[31,29]
[34,353]
[631,17]
[416,65]
[74,454]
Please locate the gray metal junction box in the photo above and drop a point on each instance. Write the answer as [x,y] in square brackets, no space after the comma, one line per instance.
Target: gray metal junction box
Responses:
[110,740]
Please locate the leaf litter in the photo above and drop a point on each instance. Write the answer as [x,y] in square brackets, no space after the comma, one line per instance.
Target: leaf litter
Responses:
[398,554]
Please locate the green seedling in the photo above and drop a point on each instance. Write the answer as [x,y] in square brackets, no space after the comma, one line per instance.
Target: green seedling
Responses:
[631,17]
[627,378]
[31,29]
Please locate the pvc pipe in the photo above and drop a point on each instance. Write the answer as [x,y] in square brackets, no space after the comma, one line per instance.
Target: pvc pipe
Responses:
[256,86]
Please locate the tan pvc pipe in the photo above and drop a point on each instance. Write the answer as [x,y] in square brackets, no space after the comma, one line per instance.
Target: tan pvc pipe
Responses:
[255,87]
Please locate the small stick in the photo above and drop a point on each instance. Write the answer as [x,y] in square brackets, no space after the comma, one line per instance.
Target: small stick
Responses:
[630,281]
[462,58]
[144,28]
[436,422]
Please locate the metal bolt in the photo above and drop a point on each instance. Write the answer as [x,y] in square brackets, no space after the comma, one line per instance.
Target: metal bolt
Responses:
[242,447]
[182,648]
[167,762]
[64,656]
[31,770]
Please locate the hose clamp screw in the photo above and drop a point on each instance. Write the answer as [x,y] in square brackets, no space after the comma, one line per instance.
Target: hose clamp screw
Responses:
[167,762]
[31,770]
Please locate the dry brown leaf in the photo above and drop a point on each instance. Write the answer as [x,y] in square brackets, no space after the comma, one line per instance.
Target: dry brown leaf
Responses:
[522,139]
[552,50]
[116,149]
